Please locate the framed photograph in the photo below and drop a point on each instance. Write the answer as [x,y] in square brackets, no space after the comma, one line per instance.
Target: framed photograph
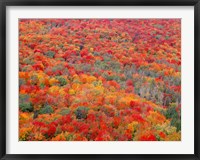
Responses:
[99,79]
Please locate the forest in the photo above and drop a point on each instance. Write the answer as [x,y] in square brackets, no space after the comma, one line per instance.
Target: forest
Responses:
[99,79]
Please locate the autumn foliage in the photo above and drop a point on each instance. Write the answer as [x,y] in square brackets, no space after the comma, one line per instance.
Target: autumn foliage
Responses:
[100,80]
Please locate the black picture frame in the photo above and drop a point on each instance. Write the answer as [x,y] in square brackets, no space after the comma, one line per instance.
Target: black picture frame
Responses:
[5,3]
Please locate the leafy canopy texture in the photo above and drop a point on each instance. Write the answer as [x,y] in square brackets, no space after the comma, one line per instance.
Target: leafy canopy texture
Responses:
[100,79]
